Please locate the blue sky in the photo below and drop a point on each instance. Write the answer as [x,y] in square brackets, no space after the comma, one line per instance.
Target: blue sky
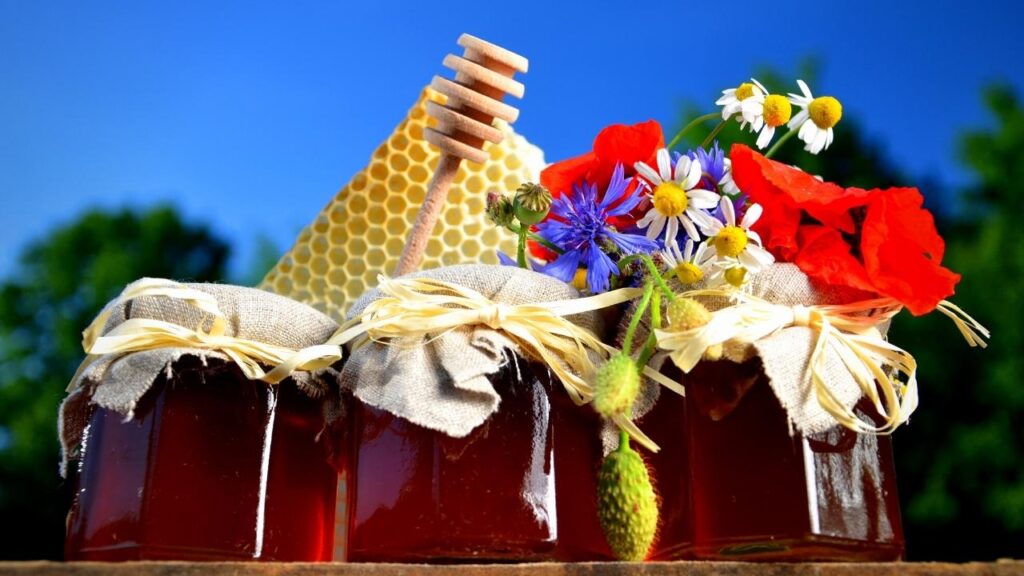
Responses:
[249,116]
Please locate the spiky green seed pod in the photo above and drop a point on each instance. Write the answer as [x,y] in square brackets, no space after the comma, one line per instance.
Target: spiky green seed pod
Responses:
[686,314]
[532,203]
[627,505]
[618,383]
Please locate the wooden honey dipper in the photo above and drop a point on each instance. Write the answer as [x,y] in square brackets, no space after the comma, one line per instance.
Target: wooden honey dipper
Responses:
[483,75]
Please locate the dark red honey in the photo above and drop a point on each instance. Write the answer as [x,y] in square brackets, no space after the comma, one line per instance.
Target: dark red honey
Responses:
[421,496]
[184,479]
[760,493]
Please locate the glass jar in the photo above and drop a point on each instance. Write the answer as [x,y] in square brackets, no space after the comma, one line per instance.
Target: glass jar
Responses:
[418,495]
[761,493]
[211,466]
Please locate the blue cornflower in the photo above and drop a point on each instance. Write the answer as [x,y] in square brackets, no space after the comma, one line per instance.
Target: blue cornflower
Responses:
[582,228]
[717,168]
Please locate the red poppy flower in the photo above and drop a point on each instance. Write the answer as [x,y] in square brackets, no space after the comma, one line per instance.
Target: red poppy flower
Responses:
[615,144]
[902,251]
[879,241]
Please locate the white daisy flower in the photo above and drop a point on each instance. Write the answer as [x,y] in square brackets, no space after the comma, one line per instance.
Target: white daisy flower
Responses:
[686,264]
[733,98]
[675,200]
[765,115]
[816,120]
[728,271]
[729,240]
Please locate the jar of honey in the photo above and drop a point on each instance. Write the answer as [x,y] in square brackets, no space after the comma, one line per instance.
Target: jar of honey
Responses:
[761,491]
[209,466]
[419,495]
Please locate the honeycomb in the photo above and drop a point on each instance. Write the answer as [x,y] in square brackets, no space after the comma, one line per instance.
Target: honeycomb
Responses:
[362,231]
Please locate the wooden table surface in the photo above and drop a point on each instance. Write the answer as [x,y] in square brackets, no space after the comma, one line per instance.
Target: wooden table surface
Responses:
[1000,568]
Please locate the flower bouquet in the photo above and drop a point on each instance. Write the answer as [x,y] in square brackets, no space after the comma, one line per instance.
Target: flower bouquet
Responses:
[764,297]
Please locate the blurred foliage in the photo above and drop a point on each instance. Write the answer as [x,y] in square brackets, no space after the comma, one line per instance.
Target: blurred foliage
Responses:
[60,284]
[962,474]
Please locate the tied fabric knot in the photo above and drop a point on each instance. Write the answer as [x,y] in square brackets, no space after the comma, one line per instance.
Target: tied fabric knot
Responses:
[885,374]
[141,334]
[494,316]
[801,315]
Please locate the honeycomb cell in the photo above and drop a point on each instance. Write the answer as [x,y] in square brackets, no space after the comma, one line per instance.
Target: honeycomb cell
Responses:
[453,237]
[356,246]
[398,225]
[394,245]
[435,248]
[318,267]
[418,174]
[377,260]
[356,204]
[321,224]
[355,268]
[399,163]
[303,254]
[376,236]
[362,231]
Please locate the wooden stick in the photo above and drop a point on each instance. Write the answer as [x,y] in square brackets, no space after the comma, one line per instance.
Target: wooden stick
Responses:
[483,76]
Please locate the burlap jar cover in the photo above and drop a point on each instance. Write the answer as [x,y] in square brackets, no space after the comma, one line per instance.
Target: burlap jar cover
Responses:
[436,336]
[155,323]
[785,346]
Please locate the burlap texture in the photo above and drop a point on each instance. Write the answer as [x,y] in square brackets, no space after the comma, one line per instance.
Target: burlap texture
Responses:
[118,381]
[785,354]
[441,382]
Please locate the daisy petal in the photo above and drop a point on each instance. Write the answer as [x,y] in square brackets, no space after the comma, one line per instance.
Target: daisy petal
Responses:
[693,175]
[664,165]
[751,216]
[672,227]
[703,199]
[691,230]
[728,211]
[647,173]
[654,230]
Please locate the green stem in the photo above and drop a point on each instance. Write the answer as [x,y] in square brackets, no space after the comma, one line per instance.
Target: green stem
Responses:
[623,441]
[711,137]
[693,124]
[649,262]
[536,238]
[645,300]
[652,340]
[778,143]
[521,252]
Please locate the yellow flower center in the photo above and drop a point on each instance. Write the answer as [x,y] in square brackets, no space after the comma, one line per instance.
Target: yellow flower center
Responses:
[825,111]
[745,90]
[670,199]
[689,273]
[777,110]
[730,241]
[579,280]
[735,276]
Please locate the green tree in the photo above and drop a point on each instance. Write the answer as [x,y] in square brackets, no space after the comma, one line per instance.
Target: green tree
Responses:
[962,473]
[62,281]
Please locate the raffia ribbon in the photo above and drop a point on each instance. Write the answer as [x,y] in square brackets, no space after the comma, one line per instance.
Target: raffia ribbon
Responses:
[414,308]
[139,334]
[850,330]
